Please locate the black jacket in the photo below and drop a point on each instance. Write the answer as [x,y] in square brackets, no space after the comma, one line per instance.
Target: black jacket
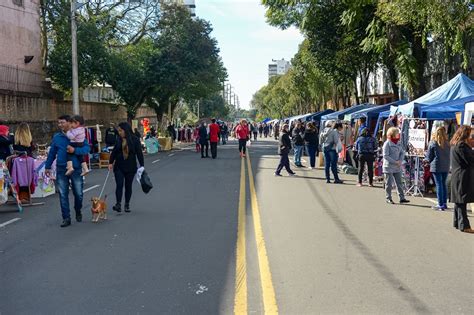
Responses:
[284,146]
[297,135]
[130,164]
[5,147]
[203,135]
[462,177]
[310,137]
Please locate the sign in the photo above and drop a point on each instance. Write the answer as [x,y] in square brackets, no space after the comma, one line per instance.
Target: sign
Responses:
[417,137]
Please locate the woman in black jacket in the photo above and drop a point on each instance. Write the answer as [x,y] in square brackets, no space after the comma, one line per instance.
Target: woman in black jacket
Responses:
[123,161]
[311,141]
[462,178]
[284,148]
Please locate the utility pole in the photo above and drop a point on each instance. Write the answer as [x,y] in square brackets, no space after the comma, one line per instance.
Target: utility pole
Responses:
[75,78]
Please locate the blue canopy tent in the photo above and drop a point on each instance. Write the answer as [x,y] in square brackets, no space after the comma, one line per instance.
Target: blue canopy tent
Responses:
[317,116]
[382,115]
[446,110]
[458,87]
[340,114]
[373,112]
[266,120]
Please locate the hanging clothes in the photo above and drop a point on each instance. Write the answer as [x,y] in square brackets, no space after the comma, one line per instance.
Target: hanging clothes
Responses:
[23,173]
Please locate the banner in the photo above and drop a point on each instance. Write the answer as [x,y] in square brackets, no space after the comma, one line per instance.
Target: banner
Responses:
[417,137]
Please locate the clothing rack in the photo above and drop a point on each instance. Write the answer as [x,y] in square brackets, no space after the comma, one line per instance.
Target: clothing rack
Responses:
[16,193]
[99,140]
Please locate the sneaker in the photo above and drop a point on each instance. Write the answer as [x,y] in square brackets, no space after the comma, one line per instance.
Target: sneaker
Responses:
[117,207]
[292,174]
[359,185]
[404,201]
[437,208]
[328,181]
[338,181]
[389,201]
[277,174]
[66,222]
[127,208]
[371,185]
[79,217]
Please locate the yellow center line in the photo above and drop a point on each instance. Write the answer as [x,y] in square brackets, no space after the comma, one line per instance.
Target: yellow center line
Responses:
[240,301]
[268,292]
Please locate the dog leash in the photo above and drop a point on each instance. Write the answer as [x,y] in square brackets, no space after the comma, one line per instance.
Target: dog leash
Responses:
[105,183]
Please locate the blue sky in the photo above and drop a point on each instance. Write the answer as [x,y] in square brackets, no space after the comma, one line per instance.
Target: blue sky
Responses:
[248,44]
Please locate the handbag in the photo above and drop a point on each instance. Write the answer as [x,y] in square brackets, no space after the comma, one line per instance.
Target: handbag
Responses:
[145,182]
[249,143]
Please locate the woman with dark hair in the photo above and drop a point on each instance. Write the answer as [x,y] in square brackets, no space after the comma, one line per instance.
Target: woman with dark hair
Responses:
[123,161]
[462,177]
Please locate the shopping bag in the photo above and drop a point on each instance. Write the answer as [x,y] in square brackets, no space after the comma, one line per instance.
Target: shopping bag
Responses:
[146,182]
[249,143]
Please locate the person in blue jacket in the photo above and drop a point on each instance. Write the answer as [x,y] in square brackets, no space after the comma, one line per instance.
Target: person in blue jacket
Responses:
[60,147]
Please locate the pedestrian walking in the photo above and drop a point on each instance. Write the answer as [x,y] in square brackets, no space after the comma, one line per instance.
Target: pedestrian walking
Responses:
[393,156]
[284,147]
[204,140]
[260,130]
[277,131]
[254,131]
[329,140]
[462,176]
[366,148]
[243,135]
[438,157]
[298,143]
[196,139]
[311,141]
[59,150]
[214,131]
[23,141]
[266,130]
[123,162]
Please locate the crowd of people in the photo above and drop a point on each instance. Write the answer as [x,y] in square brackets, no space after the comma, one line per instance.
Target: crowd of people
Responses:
[69,147]
[442,155]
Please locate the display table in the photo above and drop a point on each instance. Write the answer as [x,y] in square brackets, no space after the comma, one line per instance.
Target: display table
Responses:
[166,143]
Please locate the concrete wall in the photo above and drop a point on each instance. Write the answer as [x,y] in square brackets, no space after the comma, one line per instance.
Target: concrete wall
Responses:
[41,114]
[20,34]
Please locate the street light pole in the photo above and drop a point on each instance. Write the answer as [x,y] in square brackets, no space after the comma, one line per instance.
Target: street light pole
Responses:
[75,78]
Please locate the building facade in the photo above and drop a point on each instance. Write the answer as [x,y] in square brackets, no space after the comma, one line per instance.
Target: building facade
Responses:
[20,46]
[278,67]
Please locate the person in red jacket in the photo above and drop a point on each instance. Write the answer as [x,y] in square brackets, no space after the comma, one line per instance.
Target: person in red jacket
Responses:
[214,131]
[242,132]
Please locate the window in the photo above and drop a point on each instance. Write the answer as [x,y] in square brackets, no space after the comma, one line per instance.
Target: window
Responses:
[18,2]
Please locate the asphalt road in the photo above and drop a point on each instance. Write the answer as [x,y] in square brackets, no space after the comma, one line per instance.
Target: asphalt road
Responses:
[218,236]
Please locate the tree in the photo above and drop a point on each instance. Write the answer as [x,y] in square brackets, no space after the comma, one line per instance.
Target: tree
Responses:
[188,65]
[214,107]
[128,73]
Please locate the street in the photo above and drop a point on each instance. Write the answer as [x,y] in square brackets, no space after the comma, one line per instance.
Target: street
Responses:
[225,236]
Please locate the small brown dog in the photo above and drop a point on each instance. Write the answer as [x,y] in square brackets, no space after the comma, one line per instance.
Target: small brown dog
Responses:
[99,209]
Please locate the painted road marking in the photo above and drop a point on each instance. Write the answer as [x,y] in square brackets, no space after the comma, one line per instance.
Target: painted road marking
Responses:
[155,161]
[171,154]
[268,292]
[240,300]
[9,222]
[90,188]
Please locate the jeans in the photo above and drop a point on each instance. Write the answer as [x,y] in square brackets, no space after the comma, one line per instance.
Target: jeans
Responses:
[77,184]
[441,188]
[214,149]
[369,159]
[330,162]
[120,178]
[312,151]
[284,162]
[243,145]
[389,179]
[298,151]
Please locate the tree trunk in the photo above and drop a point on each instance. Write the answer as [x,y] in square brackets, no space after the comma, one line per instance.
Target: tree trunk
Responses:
[356,92]
[420,54]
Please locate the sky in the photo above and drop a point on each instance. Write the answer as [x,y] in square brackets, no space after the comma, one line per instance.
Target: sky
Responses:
[247,43]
